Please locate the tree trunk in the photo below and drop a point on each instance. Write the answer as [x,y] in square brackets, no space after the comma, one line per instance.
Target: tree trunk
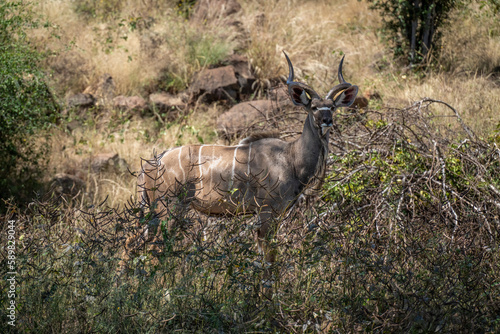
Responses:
[428,30]
[414,25]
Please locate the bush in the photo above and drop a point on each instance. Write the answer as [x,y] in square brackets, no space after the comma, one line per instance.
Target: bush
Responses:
[26,104]
[416,195]
[413,26]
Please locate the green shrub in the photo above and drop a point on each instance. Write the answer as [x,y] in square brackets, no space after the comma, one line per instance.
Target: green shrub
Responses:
[413,26]
[26,103]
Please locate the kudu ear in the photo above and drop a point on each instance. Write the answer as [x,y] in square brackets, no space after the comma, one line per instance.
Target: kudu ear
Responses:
[346,98]
[300,93]
[344,93]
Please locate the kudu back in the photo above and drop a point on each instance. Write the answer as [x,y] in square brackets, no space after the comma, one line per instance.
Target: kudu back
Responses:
[262,176]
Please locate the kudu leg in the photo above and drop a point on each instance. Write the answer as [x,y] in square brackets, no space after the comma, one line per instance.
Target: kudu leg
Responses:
[265,234]
[146,232]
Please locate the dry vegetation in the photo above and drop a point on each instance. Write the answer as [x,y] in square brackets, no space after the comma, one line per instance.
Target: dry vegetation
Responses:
[405,237]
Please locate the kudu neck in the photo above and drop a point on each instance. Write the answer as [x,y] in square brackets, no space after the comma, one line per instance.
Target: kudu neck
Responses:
[310,150]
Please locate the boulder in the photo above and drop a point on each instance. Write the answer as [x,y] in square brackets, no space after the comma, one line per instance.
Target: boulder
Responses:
[243,72]
[82,100]
[66,184]
[166,102]
[106,162]
[215,84]
[360,102]
[74,125]
[280,96]
[130,103]
[243,116]
[103,90]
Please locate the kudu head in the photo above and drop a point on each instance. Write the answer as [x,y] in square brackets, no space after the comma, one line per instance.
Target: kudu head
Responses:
[342,95]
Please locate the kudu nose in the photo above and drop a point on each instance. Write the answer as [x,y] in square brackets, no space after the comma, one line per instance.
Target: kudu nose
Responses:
[327,120]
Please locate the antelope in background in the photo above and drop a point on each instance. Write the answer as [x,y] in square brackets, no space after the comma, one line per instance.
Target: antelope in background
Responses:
[261,175]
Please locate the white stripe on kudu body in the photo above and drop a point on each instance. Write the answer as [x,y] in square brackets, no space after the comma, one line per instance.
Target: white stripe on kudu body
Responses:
[180,166]
[231,180]
[262,175]
[200,164]
[249,158]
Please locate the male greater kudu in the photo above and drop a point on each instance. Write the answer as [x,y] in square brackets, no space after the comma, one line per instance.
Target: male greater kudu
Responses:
[265,176]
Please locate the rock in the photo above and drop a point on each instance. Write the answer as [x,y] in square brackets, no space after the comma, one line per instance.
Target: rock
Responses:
[74,125]
[241,65]
[360,102]
[216,84]
[81,100]
[106,162]
[66,184]
[130,103]
[209,10]
[165,101]
[243,72]
[243,116]
[103,90]
[280,96]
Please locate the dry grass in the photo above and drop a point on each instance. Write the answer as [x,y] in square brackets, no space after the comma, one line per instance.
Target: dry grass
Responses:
[314,36]
[471,43]
[137,46]
[147,45]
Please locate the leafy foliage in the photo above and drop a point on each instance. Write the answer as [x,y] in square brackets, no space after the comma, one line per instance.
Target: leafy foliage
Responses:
[413,26]
[26,104]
